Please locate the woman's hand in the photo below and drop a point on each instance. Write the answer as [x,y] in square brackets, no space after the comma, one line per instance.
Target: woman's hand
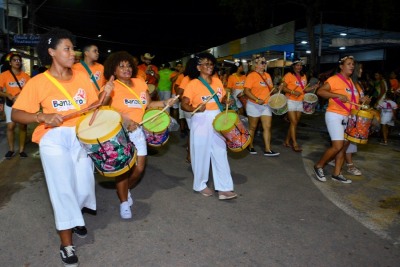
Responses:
[343,98]
[50,120]
[109,87]
[129,124]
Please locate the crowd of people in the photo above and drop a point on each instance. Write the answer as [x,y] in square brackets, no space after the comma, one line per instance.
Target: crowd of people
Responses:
[194,94]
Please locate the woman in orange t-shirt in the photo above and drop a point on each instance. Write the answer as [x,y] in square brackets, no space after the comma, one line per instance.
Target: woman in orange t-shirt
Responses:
[258,87]
[236,83]
[206,145]
[12,88]
[295,86]
[45,99]
[341,92]
[130,98]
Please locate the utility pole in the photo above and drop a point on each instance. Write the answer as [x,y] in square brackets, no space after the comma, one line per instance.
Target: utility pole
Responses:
[7,28]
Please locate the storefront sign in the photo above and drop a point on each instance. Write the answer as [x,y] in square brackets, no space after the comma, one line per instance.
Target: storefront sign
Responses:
[26,39]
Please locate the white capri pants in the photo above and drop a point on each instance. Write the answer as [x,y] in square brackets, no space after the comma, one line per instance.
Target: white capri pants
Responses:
[69,176]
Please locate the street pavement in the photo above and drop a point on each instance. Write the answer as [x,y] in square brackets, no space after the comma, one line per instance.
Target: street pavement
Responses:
[283,216]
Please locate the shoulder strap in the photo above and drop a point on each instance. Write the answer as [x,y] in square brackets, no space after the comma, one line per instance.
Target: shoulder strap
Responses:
[212,93]
[62,89]
[12,73]
[90,74]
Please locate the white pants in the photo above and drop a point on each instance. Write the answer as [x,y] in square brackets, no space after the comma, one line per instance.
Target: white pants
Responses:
[205,145]
[69,176]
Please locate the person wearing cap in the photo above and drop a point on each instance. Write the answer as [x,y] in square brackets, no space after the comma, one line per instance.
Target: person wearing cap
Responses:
[12,81]
[342,94]
[152,76]
[294,87]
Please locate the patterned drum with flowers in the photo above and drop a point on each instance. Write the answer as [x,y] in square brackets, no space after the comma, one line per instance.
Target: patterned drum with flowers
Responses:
[106,142]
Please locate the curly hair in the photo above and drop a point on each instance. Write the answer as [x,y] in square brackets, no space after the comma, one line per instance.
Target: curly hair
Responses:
[113,60]
[192,70]
[50,40]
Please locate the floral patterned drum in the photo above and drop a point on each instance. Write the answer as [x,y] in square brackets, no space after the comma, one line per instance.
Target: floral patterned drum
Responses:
[156,130]
[357,128]
[231,127]
[106,142]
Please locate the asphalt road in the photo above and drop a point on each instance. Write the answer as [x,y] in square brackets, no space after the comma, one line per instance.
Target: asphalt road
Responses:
[282,217]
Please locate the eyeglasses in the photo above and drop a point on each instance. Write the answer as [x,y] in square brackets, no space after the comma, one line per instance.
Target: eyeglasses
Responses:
[16,60]
[208,65]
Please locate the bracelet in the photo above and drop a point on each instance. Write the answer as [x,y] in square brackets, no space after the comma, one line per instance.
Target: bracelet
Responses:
[291,92]
[37,116]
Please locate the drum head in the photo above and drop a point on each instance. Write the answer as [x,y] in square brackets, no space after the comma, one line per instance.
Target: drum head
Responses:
[151,87]
[106,124]
[310,98]
[159,123]
[277,101]
[225,120]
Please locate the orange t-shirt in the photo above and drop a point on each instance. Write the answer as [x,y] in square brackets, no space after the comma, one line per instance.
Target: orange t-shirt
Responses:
[236,82]
[8,82]
[131,104]
[198,93]
[97,70]
[294,84]
[257,85]
[141,74]
[41,92]
[338,86]
[394,84]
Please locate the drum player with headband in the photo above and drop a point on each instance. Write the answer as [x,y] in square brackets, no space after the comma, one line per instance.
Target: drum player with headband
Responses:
[46,99]
[343,97]
[130,98]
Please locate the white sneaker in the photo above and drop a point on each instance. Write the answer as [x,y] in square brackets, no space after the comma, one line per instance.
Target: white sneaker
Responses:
[130,199]
[125,210]
[353,170]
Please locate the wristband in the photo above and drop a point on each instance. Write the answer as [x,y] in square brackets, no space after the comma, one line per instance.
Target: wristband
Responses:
[37,116]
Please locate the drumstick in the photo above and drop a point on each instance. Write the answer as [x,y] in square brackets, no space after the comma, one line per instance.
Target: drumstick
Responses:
[273,89]
[358,105]
[74,114]
[97,110]
[165,108]
[202,104]
[158,113]
[227,106]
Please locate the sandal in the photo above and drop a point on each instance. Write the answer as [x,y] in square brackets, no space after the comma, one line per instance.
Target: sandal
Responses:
[296,148]
[287,145]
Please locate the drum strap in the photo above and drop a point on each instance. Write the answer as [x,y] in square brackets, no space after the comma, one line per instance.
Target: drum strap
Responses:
[90,74]
[221,108]
[351,87]
[299,80]
[62,89]
[133,92]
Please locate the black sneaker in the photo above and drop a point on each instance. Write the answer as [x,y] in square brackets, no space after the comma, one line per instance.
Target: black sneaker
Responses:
[68,256]
[252,150]
[9,154]
[341,178]
[319,172]
[80,231]
[23,155]
[271,153]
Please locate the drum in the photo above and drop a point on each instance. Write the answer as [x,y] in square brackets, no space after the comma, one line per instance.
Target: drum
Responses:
[357,129]
[278,104]
[229,125]
[310,102]
[156,130]
[106,142]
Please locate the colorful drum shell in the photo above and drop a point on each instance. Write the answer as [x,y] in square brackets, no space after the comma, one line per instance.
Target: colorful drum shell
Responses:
[278,104]
[156,130]
[106,142]
[310,102]
[229,125]
[357,128]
